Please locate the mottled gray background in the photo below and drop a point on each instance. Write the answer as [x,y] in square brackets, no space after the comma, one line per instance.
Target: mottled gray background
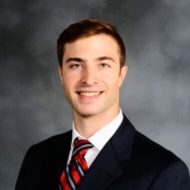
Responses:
[155,96]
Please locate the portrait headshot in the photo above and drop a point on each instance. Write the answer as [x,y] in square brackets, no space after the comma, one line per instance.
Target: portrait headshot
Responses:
[95,99]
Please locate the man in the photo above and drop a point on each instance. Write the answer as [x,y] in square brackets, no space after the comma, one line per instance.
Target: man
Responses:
[114,155]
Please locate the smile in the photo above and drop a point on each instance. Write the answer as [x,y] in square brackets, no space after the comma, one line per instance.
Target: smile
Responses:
[89,94]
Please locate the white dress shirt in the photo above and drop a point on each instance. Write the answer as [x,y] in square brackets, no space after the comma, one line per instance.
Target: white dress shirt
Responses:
[98,140]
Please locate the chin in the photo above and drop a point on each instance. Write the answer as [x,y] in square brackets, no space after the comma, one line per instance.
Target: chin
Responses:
[87,113]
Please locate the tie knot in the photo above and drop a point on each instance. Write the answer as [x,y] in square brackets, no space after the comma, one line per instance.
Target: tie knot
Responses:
[81,146]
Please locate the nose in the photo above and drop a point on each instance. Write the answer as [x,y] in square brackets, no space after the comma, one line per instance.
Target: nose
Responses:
[89,76]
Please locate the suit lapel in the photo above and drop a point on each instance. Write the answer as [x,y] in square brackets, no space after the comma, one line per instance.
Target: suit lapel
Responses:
[108,164]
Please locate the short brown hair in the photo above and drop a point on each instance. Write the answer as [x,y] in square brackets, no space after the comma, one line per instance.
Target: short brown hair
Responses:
[86,28]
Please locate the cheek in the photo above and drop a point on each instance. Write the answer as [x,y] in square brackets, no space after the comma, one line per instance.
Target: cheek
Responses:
[66,81]
[111,79]
[69,83]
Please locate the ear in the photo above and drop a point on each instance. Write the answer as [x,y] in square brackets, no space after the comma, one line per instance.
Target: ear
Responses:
[59,69]
[123,73]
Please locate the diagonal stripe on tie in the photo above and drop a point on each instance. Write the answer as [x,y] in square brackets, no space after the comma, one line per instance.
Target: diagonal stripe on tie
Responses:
[70,179]
[74,174]
[65,183]
[80,169]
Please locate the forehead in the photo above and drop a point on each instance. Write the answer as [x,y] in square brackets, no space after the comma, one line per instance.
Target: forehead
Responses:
[96,44]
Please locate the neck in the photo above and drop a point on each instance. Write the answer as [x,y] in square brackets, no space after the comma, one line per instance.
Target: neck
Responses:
[89,125]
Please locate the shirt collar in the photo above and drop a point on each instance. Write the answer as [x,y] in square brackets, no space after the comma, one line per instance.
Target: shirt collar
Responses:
[101,137]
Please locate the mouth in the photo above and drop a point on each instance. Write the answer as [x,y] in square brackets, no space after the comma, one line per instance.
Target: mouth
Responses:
[89,94]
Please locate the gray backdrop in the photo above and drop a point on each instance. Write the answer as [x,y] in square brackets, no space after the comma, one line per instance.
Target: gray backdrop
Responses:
[156,93]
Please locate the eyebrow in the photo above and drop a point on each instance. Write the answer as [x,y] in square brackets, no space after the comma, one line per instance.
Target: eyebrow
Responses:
[75,59]
[105,58]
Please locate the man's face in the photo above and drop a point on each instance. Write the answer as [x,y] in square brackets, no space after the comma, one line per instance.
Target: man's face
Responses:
[91,75]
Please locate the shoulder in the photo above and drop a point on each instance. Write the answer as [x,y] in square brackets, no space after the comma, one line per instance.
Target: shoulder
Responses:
[146,148]
[43,158]
[54,140]
[169,171]
[152,162]
[154,157]
[147,155]
[48,150]
[51,144]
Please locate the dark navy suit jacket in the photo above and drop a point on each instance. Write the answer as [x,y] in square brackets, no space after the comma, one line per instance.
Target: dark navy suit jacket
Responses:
[129,161]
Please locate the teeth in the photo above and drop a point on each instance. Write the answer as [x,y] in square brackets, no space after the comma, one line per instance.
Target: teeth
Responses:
[90,93]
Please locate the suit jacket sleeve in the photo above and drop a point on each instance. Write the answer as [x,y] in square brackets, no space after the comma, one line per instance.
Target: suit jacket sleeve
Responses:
[174,176]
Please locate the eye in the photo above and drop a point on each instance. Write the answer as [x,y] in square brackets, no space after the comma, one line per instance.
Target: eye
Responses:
[74,66]
[104,65]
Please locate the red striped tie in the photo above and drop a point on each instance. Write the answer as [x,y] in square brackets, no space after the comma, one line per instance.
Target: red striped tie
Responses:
[71,177]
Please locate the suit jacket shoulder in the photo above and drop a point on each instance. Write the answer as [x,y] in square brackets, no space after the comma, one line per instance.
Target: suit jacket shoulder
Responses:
[149,163]
[55,142]
[44,162]
[163,167]
[146,150]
